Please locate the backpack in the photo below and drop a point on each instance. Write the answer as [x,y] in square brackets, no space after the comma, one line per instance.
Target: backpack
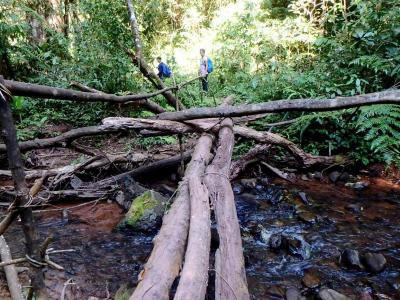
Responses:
[210,66]
[167,71]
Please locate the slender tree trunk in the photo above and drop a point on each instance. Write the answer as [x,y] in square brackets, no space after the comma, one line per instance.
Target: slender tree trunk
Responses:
[17,168]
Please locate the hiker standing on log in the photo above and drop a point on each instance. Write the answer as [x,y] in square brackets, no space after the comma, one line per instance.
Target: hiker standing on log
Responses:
[163,69]
[204,70]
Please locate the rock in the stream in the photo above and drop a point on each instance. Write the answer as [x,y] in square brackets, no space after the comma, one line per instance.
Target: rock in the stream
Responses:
[146,212]
[374,262]
[328,294]
[364,296]
[293,294]
[311,279]
[275,241]
[336,176]
[307,217]
[350,259]
[238,188]
[297,246]
[304,198]
[355,208]
[360,185]
[249,183]
[276,293]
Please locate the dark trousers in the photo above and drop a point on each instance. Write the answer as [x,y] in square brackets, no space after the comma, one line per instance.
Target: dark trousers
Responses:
[204,83]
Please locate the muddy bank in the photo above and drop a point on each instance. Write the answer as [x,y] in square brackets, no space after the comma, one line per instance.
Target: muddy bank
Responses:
[329,219]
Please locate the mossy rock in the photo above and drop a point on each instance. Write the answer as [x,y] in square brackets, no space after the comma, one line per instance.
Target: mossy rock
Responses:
[145,213]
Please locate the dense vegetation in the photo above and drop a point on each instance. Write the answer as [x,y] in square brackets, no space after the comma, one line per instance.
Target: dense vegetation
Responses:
[262,51]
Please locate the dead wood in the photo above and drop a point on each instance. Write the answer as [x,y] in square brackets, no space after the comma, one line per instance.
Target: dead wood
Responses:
[306,160]
[385,97]
[278,172]
[230,274]
[18,88]
[194,275]
[141,63]
[165,260]
[11,273]
[240,165]
[22,200]
[147,103]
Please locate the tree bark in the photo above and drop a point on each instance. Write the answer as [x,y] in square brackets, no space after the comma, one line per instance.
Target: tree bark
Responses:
[386,97]
[306,160]
[230,274]
[165,260]
[141,63]
[18,88]
[240,165]
[194,276]
[11,273]
[17,168]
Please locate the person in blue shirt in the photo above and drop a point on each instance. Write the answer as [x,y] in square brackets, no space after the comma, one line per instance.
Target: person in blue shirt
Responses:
[163,69]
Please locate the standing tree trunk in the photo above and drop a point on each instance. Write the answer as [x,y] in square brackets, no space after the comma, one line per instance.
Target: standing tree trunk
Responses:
[17,169]
[230,274]
[142,64]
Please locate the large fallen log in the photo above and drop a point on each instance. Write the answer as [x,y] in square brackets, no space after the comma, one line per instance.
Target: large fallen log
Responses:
[141,63]
[22,200]
[194,275]
[386,97]
[230,274]
[165,260]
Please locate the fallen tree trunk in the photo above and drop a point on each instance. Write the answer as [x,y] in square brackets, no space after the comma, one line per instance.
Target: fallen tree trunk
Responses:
[306,160]
[386,97]
[240,165]
[22,200]
[230,274]
[141,63]
[150,105]
[194,275]
[165,260]
[11,273]
[32,90]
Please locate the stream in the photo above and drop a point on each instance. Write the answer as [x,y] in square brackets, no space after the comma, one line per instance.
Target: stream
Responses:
[293,236]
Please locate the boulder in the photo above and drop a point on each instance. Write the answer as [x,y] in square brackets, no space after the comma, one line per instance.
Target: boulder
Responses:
[146,211]
[374,262]
[350,259]
[328,294]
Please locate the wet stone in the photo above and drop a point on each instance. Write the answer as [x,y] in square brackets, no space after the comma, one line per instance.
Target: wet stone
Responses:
[297,246]
[355,208]
[311,279]
[275,241]
[293,294]
[237,188]
[304,198]
[350,259]
[328,294]
[360,185]
[249,183]
[275,293]
[364,296]
[307,217]
[374,262]
[334,176]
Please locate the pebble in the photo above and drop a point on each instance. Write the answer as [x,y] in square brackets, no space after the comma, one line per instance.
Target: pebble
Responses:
[351,259]
[328,294]
[374,262]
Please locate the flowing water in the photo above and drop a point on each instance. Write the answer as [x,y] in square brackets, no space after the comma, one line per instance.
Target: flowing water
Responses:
[320,220]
